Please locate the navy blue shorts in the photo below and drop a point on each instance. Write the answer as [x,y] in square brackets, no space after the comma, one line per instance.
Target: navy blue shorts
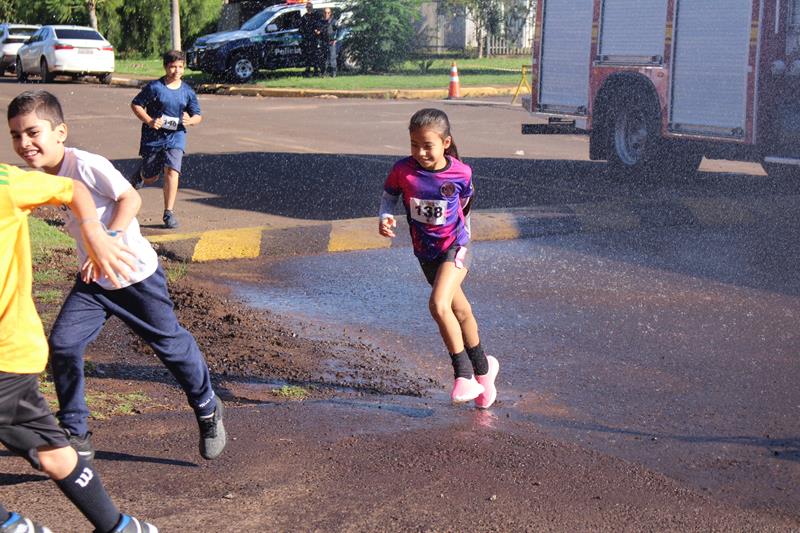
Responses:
[153,163]
[26,422]
[460,255]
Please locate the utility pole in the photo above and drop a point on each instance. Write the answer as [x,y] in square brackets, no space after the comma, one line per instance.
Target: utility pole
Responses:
[176,25]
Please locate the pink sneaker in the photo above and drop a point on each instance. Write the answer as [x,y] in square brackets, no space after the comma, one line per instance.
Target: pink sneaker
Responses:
[465,390]
[485,400]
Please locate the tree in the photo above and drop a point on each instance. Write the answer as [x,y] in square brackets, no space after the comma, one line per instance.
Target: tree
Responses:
[134,27]
[74,11]
[381,33]
[486,16]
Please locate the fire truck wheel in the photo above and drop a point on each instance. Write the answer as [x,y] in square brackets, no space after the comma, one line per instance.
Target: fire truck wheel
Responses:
[633,135]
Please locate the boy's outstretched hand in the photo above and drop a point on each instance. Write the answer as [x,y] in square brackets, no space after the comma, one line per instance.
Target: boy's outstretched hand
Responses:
[108,256]
[386,224]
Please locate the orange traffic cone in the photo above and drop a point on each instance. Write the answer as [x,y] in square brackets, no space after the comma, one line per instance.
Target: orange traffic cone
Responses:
[455,84]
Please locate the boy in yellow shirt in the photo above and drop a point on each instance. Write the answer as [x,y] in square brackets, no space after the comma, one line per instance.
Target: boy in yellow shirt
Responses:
[27,427]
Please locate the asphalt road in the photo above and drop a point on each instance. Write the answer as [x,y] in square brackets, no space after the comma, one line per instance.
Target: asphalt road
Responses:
[674,348]
[672,344]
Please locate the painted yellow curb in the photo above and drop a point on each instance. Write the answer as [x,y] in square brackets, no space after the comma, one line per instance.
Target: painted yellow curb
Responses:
[244,243]
[495,227]
[606,216]
[357,234]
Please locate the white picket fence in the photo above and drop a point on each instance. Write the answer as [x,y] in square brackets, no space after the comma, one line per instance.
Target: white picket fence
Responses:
[514,42]
[497,45]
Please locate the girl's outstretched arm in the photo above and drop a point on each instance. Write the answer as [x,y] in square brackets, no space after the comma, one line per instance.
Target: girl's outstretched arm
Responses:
[387,221]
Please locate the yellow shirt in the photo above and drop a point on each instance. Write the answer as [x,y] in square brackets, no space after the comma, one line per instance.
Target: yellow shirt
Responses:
[23,346]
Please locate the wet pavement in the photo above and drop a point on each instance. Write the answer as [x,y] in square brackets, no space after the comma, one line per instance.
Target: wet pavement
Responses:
[674,348]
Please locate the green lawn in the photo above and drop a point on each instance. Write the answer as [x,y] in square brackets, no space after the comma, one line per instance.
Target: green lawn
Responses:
[434,74]
[44,238]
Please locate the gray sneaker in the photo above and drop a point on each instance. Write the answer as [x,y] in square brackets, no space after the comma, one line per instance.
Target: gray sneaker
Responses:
[129,524]
[212,433]
[170,222]
[83,445]
[20,524]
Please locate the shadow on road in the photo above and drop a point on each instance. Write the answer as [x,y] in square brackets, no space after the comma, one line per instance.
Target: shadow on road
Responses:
[332,187]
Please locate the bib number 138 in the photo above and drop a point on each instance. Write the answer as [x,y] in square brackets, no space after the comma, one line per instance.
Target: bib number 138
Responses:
[429,211]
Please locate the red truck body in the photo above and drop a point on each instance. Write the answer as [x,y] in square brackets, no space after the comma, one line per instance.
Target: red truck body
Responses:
[664,82]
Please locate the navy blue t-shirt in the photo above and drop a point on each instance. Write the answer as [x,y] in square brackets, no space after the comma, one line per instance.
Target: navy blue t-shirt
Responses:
[169,104]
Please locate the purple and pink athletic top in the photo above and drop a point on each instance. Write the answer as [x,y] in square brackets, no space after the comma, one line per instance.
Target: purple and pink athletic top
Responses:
[434,202]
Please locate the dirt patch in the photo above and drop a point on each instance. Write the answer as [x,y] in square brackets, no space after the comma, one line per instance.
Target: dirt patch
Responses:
[243,346]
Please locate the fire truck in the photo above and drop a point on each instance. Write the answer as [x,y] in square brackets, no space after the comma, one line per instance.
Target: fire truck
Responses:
[658,84]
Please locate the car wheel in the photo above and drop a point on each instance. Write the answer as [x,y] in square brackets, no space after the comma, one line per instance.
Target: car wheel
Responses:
[21,76]
[44,72]
[105,79]
[242,68]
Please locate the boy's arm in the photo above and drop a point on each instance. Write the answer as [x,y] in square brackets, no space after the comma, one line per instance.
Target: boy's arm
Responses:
[191,120]
[192,116]
[111,257]
[128,205]
[141,114]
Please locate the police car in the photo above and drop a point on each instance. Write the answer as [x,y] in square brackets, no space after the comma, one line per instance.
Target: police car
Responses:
[269,40]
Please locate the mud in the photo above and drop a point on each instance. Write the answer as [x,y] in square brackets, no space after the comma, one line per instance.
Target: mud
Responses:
[369,447]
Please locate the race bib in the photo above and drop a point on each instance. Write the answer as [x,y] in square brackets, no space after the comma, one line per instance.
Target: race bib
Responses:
[431,212]
[170,123]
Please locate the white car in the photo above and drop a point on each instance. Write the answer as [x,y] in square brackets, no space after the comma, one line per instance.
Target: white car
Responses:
[71,50]
[11,38]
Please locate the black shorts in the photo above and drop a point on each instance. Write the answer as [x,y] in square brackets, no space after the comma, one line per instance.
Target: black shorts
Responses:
[460,255]
[26,422]
[153,164]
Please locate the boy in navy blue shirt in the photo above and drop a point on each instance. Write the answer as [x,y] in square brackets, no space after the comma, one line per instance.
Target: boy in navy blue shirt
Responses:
[165,106]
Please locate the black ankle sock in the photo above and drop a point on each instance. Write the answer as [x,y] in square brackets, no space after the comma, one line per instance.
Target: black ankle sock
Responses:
[461,365]
[4,514]
[478,358]
[84,488]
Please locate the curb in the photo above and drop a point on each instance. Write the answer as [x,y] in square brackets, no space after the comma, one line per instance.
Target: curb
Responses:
[361,233]
[383,94]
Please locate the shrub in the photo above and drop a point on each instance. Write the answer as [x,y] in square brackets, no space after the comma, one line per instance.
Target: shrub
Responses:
[381,32]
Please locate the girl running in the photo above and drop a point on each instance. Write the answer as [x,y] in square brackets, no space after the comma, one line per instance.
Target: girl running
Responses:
[437,190]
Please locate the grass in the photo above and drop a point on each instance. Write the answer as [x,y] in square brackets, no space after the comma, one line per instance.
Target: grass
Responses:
[48,296]
[291,392]
[413,74]
[102,405]
[176,271]
[44,239]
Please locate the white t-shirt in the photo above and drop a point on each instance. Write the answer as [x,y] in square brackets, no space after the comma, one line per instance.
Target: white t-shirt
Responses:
[106,185]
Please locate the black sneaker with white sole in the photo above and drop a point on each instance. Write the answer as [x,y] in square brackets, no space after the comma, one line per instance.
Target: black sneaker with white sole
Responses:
[212,433]
[83,445]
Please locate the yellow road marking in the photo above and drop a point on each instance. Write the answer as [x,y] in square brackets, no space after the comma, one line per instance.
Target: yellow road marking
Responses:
[242,243]
[606,216]
[495,227]
[359,234]
[172,237]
